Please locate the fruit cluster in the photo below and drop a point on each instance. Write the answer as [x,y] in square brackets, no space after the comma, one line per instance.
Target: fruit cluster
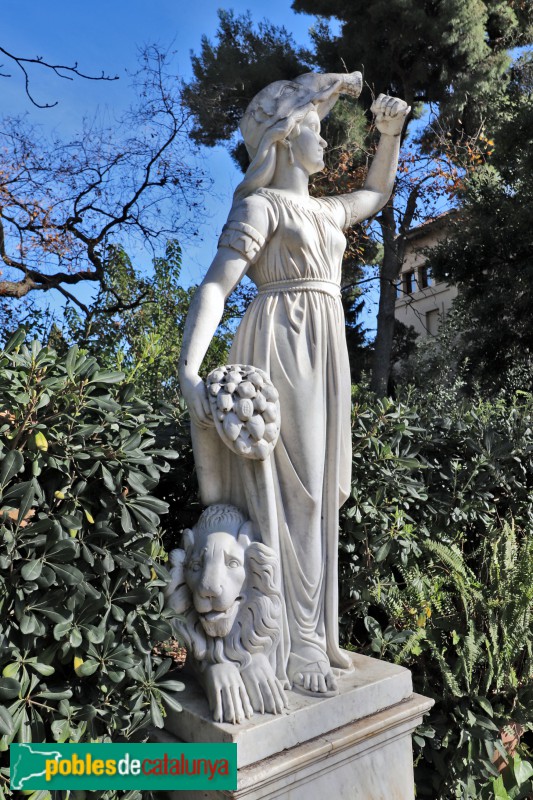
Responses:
[245,407]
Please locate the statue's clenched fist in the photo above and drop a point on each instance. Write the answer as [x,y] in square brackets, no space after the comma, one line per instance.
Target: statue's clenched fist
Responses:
[390,113]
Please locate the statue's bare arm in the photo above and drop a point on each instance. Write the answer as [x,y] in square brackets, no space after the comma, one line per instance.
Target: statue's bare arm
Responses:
[204,316]
[390,115]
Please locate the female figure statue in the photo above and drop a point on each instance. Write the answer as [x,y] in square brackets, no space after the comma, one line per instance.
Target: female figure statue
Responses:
[291,245]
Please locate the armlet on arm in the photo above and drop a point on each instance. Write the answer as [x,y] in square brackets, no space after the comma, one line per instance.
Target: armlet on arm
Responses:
[243,238]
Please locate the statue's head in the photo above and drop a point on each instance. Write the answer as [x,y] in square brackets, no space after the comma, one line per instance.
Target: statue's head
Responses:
[214,566]
[273,117]
[286,100]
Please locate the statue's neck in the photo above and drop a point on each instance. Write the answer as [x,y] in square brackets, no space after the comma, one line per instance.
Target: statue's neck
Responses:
[289,177]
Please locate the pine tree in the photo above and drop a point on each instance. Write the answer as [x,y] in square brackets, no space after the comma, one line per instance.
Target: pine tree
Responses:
[453,54]
[450,54]
[489,253]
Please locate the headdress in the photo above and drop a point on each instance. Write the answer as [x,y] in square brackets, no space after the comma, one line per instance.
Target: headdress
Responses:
[279,100]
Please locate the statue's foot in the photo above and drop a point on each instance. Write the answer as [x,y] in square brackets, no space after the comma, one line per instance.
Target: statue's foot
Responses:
[316,678]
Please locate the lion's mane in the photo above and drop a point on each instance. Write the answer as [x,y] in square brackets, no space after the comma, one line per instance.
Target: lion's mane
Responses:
[258,623]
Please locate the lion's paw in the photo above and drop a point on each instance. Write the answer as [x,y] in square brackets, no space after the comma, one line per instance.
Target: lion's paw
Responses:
[264,689]
[226,693]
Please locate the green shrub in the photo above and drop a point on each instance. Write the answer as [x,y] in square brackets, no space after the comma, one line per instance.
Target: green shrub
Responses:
[81,588]
[437,574]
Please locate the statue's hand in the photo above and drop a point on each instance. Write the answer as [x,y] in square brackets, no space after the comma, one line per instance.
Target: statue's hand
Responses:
[264,689]
[227,696]
[195,394]
[390,114]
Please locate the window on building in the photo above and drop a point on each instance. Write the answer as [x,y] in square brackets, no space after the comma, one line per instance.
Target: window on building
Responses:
[425,276]
[433,321]
[409,282]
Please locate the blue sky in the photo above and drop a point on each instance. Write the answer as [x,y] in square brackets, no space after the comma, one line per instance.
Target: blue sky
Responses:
[106,36]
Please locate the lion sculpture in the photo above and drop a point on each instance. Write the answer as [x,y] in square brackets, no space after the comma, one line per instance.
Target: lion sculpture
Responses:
[224,588]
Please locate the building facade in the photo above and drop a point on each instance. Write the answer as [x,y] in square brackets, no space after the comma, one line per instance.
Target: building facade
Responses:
[420,302]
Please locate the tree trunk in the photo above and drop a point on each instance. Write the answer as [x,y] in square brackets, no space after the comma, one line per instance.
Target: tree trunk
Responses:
[390,269]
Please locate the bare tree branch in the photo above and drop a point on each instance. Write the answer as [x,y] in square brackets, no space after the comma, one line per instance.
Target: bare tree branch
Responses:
[61,70]
[63,203]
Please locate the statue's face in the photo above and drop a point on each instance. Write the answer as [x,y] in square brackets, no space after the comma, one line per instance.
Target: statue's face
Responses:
[308,146]
[215,575]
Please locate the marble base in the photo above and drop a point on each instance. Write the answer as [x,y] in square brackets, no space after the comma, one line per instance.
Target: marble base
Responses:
[355,746]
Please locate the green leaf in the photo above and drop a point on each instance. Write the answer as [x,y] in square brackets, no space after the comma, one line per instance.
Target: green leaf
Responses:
[68,574]
[383,551]
[7,727]
[163,668]
[70,361]
[62,629]
[144,516]
[88,667]
[11,465]
[152,503]
[500,792]
[26,502]
[171,686]
[108,479]
[61,730]
[116,675]
[155,713]
[88,712]
[126,521]
[43,401]
[62,551]
[60,694]
[136,482]
[486,723]
[9,688]
[522,770]
[171,702]
[107,376]
[136,597]
[132,442]
[28,623]
[75,638]
[43,669]
[71,522]
[14,341]
[485,705]
[32,570]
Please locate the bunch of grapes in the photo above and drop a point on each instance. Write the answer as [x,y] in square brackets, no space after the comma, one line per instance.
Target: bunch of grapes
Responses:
[245,408]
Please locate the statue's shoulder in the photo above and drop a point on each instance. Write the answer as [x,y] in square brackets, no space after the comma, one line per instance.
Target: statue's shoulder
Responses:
[256,203]
[257,214]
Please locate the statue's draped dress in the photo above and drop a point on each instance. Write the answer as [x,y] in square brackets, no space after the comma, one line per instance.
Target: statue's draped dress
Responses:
[294,331]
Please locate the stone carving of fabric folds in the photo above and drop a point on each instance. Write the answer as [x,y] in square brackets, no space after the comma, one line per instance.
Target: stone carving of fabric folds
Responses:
[297,337]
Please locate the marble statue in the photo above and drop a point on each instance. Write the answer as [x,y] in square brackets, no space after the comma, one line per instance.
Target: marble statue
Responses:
[292,339]
[225,588]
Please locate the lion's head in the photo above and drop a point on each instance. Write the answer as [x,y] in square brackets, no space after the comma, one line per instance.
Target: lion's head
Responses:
[225,587]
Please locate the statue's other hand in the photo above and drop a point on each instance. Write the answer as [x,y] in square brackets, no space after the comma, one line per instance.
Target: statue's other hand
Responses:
[195,394]
[390,113]
[264,689]
[226,693]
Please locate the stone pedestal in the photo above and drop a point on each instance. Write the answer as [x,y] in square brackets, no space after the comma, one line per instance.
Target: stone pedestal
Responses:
[354,746]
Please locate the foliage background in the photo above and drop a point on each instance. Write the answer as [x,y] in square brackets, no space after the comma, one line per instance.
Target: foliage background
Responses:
[81,578]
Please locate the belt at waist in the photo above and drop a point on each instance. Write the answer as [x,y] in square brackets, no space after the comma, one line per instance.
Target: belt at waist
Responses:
[301,285]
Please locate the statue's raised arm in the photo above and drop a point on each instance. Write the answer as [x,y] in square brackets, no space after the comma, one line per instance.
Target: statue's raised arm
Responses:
[390,114]
[290,358]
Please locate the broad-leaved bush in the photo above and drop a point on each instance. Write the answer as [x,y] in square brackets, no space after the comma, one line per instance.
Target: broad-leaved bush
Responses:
[436,566]
[81,583]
